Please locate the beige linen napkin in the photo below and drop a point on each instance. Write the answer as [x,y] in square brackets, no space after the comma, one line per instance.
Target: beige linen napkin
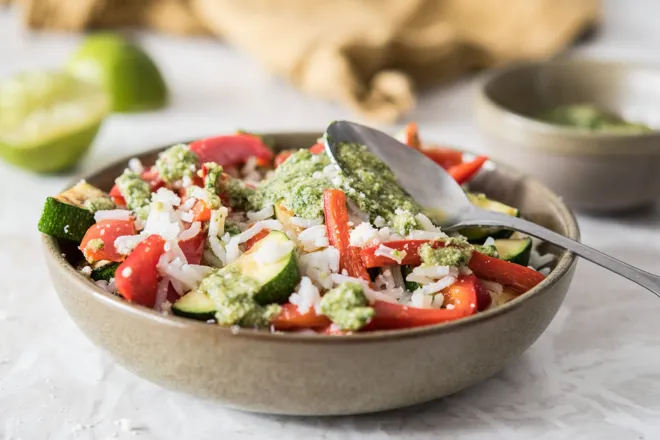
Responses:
[369,54]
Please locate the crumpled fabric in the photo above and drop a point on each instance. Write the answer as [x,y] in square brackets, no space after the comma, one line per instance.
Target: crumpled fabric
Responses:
[368,54]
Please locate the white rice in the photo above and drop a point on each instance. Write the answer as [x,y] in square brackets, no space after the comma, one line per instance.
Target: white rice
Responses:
[492,286]
[86,270]
[363,234]
[490,241]
[135,165]
[392,254]
[263,214]
[194,229]
[372,295]
[438,285]
[416,234]
[319,265]
[313,238]
[306,223]
[112,214]
[126,243]
[425,223]
[232,249]
[217,222]
[273,225]
[379,222]
[306,296]
[431,271]
[218,249]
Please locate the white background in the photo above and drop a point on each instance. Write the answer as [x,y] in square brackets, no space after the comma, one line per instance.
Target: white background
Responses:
[595,374]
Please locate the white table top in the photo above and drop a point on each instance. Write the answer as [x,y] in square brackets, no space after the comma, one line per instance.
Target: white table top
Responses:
[595,373]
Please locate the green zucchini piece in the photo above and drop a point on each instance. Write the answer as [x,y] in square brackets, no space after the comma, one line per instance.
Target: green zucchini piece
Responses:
[195,305]
[65,221]
[479,235]
[516,251]
[411,286]
[105,272]
[278,279]
[84,195]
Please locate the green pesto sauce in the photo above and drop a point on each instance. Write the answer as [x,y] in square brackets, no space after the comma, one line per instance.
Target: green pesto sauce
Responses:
[294,183]
[403,222]
[347,307]
[373,187]
[232,295]
[214,172]
[491,251]
[176,162]
[239,194]
[135,191]
[232,228]
[95,244]
[445,256]
[591,117]
[99,204]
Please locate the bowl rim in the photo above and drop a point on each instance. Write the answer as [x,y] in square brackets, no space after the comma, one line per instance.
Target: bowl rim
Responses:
[57,261]
[607,142]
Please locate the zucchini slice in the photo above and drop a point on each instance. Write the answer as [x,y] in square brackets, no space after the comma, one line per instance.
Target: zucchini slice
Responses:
[84,195]
[65,221]
[516,251]
[284,216]
[105,272]
[195,305]
[478,235]
[277,279]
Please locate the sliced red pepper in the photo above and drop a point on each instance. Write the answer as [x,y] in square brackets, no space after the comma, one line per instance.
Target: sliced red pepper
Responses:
[290,318]
[520,278]
[445,157]
[252,241]
[463,295]
[107,231]
[282,156]
[336,223]
[317,148]
[137,277]
[116,196]
[411,136]
[391,316]
[465,171]
[230,150]
[193,248]
[201,211]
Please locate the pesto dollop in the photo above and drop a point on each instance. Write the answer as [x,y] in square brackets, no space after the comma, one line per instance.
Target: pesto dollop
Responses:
[347,307]
[445,256]
[213,174]
[299,182]
[232,295]
[135,191]
[99,204]
[371,184]
[176,162]
[591,117]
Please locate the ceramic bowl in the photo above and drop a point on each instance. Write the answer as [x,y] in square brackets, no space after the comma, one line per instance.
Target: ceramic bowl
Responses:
[591,171]
[305,374]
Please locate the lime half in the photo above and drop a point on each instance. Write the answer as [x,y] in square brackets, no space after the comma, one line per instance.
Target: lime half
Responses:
[48,120]
[123,69]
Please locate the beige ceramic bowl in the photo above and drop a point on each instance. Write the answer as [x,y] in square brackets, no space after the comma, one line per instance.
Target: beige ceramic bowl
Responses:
[306,374]
[592,172]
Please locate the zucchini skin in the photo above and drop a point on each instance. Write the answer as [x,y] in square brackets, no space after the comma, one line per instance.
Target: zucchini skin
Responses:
[64,221]
[104,273]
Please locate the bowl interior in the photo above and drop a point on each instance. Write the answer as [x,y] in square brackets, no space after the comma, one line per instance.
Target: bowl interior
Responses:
[630,91]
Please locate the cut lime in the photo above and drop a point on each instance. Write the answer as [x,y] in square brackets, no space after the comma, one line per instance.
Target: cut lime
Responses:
[48,120]
[126,72]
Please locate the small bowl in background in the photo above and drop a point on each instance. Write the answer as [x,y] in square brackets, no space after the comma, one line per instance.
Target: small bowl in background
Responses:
[592,171]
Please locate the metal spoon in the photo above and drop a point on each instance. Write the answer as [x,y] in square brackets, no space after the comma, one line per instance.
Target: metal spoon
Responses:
[433,188]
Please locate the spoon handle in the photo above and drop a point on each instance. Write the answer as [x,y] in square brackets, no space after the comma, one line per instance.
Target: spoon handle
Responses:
[644,279]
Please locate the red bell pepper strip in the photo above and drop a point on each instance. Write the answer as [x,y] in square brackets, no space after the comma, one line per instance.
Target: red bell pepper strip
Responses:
[411,136]
[520,278]
[116,196]
[107,231]
[193,248]
[201,211]
[290,318]
[252,241]
[390,316]
[445,157]
[336,223]
[463,294]
[317,148]
[137,277]
[465,171]
[230,150]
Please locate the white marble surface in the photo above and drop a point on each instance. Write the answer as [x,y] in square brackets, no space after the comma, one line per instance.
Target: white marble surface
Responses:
[595,374]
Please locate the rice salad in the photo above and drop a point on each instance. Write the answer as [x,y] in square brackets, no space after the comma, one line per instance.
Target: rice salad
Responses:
[226,231]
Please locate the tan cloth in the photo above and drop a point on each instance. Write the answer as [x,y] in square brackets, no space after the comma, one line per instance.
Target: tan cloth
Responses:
[369,54]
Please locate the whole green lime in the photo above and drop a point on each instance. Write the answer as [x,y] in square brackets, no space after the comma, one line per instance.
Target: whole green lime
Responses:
[123,69]
[48,120]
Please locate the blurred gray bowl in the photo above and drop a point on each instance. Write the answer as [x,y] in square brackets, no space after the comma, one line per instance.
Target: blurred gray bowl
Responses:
[592,171]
